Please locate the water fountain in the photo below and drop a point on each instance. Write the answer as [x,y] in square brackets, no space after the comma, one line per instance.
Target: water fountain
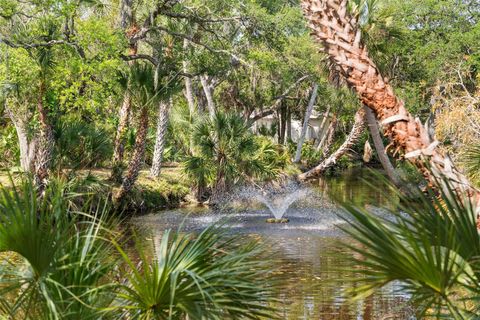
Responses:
[278,204]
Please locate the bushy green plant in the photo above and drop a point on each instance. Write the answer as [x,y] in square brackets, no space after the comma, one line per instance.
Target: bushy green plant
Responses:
[82,145]
[229,153]
[471,161]
[9,149]
[53,261]
[431,246]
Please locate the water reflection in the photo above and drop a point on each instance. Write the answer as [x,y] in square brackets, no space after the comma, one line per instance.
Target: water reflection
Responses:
[314,268]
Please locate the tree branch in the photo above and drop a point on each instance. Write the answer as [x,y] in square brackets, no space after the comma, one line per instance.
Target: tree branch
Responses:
[277,102]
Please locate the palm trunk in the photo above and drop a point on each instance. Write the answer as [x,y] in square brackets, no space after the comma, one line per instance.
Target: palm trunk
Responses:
[340,35]
[120,138]
[308,114]
[127,21]
[351,140]
[138,156]
[46,141]
[208,90]
[162,124]
[330,136]
[378,143]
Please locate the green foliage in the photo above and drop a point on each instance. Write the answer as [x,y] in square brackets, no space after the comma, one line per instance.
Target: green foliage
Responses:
[430,246]
[205,277]
[53,262]
[9,149]
[59,263]
[82,145]
[228,153]
[471,160]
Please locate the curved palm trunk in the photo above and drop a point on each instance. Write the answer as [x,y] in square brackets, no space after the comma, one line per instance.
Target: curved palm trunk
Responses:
[137,158]
[378,143]
[351,140]
[162,124]
[341,38]
[308,114]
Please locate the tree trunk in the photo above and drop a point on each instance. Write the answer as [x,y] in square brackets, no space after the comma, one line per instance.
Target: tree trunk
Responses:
[378,143]
[188,83]
[127,22]
[330,135]
[340,35]
[308,114]
[289,125]
[120,138]
[27,147]
[162,124]
[351,140]
[283,123]
[208,90]
[138,156]
[323,130]
[46,142]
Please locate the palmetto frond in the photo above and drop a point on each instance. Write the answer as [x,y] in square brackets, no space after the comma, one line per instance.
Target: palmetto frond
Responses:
[204,277]
[431,246]
[53,262]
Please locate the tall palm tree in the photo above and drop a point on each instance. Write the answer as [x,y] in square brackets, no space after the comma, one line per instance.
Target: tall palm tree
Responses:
[45,140]
[339,32]
[127,23]
[141,85]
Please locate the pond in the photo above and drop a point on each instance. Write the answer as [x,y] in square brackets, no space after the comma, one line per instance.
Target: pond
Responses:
[314,267]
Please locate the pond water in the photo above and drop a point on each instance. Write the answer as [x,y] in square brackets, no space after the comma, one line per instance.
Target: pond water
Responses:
[314,266]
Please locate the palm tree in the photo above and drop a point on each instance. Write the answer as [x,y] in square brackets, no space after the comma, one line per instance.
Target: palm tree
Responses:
[228,153]
[339,32]
[45,139]
[141,85]
[431,246]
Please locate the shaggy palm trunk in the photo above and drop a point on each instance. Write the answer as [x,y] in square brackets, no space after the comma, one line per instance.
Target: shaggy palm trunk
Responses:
[208,90]
[308,114]
[328,139]
[120,138]
[340,36]
[378,143]
[46,141]
[127,21]
[162,124]
[351,140]
[138,156]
